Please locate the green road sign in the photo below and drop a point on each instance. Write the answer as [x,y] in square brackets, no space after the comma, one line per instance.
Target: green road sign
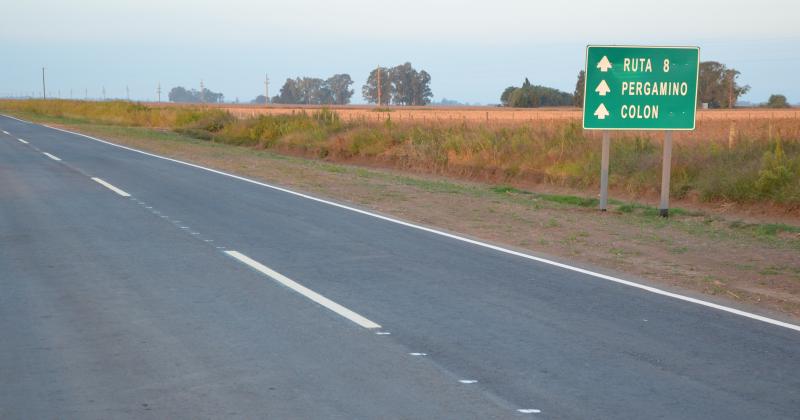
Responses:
[640,88]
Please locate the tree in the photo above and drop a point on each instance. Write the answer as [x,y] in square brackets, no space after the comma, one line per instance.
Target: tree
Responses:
[370,90]
[400,85]
[337,89]
[260,99]
[717,85]
[421,93]
[289,93]
[778,101]
[309,89]
[212,97]
[533,96]
[579,89]
[505,97]
[180,94]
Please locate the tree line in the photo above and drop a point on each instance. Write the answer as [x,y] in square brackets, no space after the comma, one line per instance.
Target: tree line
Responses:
[398,85]
[717,86]
[181,94]
[334,90]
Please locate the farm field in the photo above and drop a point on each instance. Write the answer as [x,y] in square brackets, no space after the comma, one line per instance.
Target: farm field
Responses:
[475,114]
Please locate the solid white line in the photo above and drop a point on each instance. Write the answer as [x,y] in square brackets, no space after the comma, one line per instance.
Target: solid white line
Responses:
[461,238]
[22,141]
[111,187]
[51,156]
[299,288]
[9,116]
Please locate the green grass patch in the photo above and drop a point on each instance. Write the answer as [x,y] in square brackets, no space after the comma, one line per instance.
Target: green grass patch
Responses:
[569,200]
[766,229]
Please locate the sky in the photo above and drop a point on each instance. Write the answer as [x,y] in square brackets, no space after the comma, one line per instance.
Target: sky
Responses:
[472,49]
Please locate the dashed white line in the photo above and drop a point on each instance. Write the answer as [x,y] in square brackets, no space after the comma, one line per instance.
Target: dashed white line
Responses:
[6,133]
[613,279]
[418,354]
[56,158]
[467,381]
[529,411]
[22,141]
[383,333]
[111,187]
[299,288]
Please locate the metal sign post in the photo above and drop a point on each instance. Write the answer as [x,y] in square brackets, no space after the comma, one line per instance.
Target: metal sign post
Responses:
[604,171]
[640,88]
[666,163]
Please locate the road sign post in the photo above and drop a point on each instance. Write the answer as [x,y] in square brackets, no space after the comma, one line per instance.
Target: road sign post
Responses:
[666,163]
[604,170]
[640,88]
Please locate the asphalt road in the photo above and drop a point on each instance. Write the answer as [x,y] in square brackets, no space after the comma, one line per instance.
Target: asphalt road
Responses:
[138,287]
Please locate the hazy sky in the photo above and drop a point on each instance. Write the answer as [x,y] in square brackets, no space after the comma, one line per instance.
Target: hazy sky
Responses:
[472,49]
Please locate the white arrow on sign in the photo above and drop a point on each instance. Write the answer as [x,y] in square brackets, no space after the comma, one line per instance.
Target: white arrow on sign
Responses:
[604,64]
[602,88]
[601,112]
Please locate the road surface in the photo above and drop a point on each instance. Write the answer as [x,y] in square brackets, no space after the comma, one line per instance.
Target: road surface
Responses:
[134,286]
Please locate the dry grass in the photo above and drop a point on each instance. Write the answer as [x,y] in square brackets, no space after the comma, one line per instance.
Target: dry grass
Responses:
[482,114]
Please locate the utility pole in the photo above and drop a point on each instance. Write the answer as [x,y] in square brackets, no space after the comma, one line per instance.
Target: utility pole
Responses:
[379,86]
[44,90]
[202,93]
[86,93]
[104,93]
[127,93]
[158,91]
[266,89]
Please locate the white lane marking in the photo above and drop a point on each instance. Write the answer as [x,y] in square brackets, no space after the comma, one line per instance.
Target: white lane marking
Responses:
[8,116]
[299,288]
[22,141]
[56,158]
[418,354]
[529,411]
[650,289]
[6,133]
[111,187]
[383,333]
[467,381]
